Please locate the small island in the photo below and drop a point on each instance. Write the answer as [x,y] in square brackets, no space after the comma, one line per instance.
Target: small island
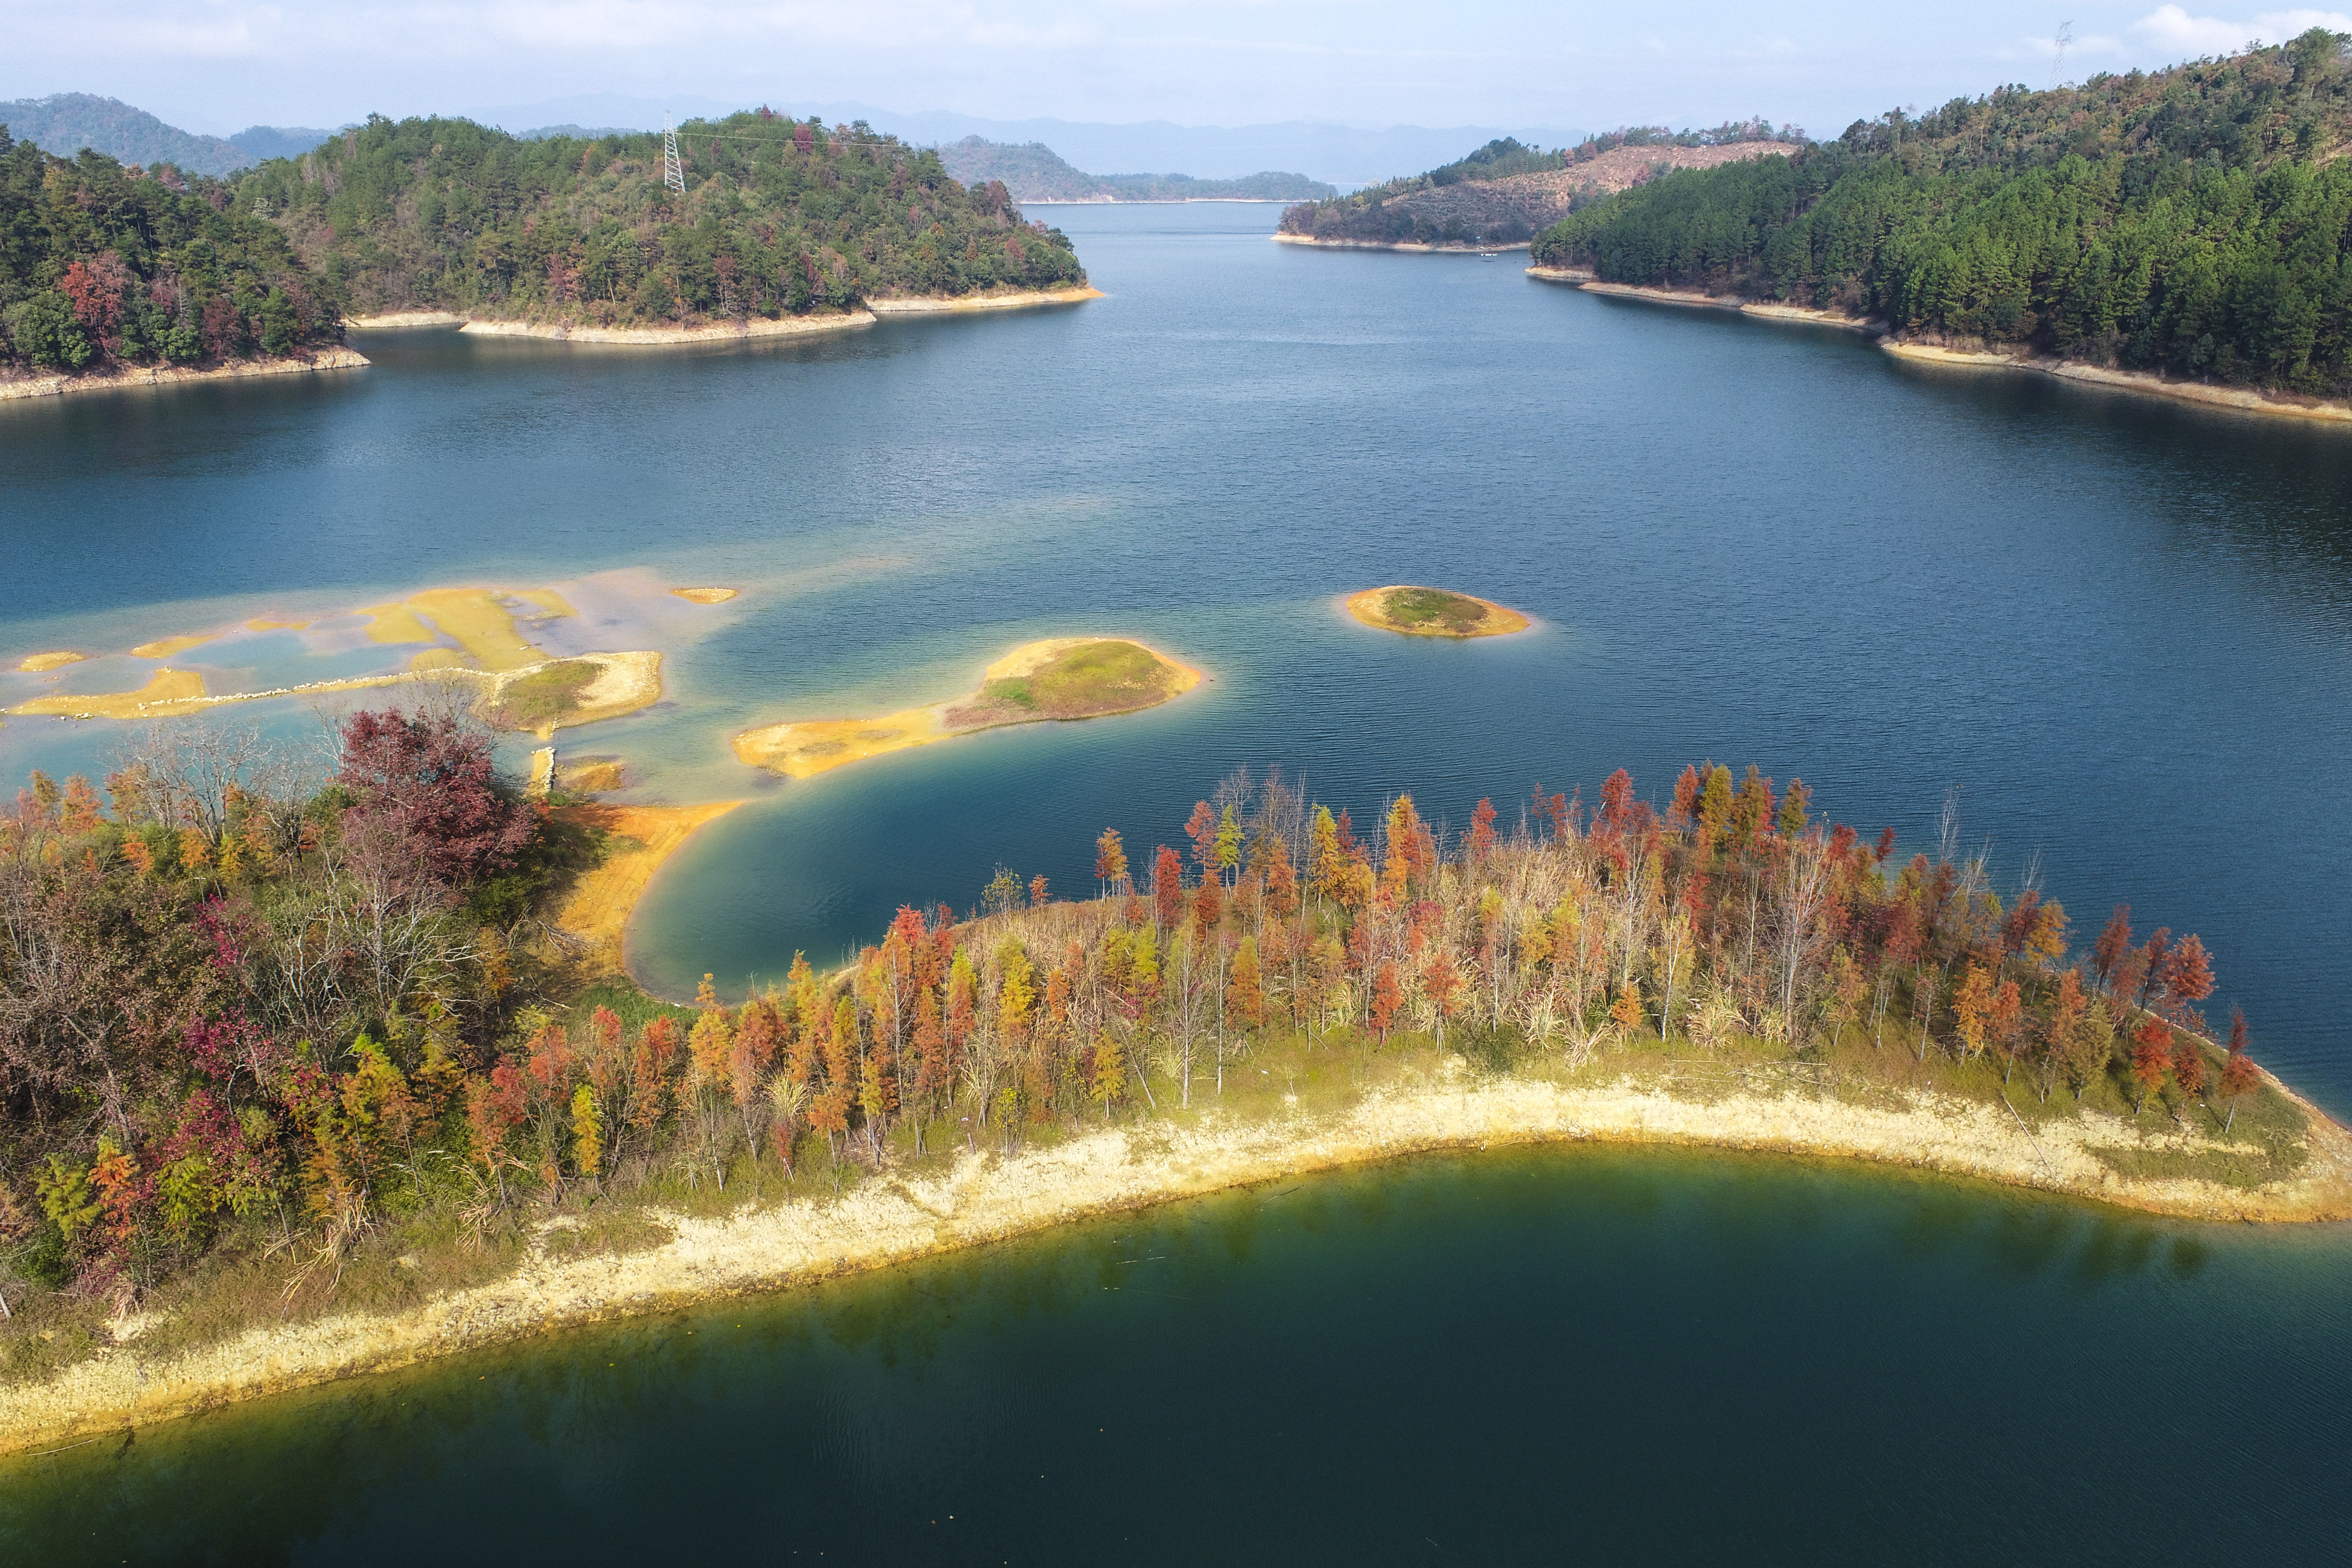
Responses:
[1059,678]
[1434,613]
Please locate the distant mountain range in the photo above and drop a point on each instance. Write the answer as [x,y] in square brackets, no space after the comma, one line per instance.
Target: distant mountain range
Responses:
[1033,172]
[1346,156]
[66,123]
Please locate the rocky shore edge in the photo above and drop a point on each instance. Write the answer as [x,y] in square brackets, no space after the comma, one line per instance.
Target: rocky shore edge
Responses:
[178,376]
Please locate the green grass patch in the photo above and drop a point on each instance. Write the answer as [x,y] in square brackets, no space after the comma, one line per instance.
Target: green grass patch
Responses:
[1105,677]
[1434,606]
[545,697]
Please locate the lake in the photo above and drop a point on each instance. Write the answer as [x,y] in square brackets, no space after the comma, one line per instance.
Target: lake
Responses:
[2104,620]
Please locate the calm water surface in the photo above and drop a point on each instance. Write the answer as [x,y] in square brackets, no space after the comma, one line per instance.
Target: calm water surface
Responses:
[2120,629]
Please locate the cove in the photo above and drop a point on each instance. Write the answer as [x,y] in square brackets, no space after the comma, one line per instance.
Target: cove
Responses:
[1591,1354]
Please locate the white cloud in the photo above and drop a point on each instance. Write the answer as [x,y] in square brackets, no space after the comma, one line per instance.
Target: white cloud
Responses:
[2174,30]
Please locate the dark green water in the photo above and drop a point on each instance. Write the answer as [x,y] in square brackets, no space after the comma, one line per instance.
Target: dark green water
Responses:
[2123,628]
[1565,1355]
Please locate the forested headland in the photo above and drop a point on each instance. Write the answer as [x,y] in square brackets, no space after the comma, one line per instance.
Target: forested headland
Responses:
[2189,222]
[780,218]
[1504,192]
[273,1043]
[105,267]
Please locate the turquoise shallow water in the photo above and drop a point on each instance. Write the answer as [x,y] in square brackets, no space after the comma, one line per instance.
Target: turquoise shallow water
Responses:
[2120,627]
[1583,1355]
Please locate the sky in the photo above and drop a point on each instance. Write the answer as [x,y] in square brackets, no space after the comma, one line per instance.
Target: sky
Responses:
[217,66]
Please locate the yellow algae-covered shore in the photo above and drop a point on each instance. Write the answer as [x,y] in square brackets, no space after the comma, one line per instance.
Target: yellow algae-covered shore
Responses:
[1059,678]
[982,1198]
[1433,613]
[517,684]
[595,913]
[176,376]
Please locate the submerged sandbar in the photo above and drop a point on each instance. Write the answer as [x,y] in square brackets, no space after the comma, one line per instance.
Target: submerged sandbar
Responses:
[1058,679]
[1434,613]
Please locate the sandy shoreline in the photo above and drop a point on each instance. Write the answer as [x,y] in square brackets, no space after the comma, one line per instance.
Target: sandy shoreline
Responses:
[1463,248]
[918,305]
[719,331]
[988,1197]
[2243,399]
[596,912]
[2247,400]
[179,376]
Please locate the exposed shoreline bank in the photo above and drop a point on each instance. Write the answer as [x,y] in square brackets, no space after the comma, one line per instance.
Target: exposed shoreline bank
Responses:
[1465,249]
[988,1197]
[865,315]
[2247,400]
[179,375]
[966,304]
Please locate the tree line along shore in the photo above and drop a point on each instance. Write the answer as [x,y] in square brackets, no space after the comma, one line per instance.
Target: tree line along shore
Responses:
[2186,223]
[279,1047]
[111,274]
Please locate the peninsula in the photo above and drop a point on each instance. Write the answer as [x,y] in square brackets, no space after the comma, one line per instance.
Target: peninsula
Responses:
[1265,1013]
[1944,232]
[1434,613]
[1059,678]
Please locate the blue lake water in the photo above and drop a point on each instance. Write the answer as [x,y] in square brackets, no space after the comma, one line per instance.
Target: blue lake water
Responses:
[2119,628]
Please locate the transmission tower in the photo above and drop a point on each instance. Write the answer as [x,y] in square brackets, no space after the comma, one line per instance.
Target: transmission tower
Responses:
[673,172]
[2065,37]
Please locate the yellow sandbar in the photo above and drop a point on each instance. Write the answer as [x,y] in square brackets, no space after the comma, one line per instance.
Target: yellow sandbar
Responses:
[814,746]
[706,595]
[1370,607]
[596,912]
[41,661]
[171,647]
[160,698]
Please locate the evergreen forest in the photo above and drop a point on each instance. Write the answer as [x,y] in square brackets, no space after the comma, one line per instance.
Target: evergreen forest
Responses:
[779,217]
[2188,222]
[103,265]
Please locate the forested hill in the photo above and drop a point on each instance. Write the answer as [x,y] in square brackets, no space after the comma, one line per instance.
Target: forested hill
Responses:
[2190,221]
[1504,192]
[779,217]
[1034,172]
[104,266]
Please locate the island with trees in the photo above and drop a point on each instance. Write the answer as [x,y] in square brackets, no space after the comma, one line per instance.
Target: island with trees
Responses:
[305,1074]
[1434,613]
[1058,679]
[1500,196]
[2177,231]
[782,224]
[114,274]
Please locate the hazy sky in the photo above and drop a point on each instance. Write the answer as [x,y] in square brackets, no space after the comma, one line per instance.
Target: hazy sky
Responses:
[219,65]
